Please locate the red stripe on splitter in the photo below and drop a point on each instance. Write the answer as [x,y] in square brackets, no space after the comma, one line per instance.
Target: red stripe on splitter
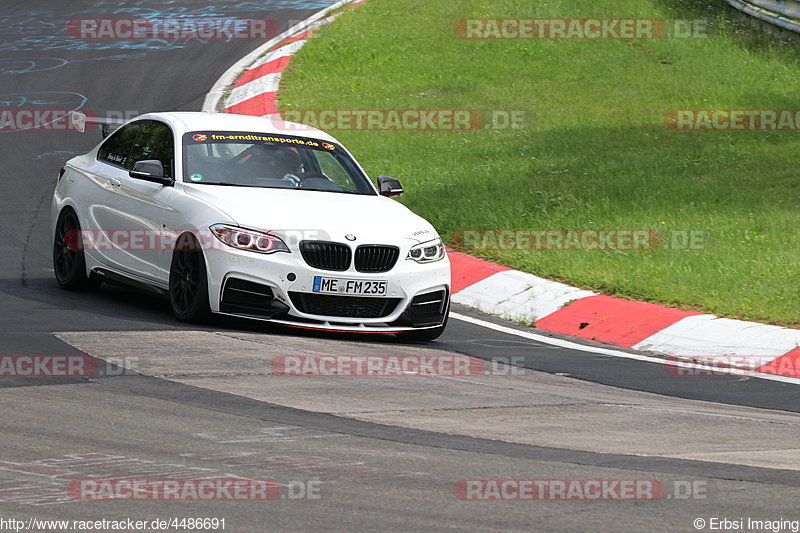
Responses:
[785,365]
[611,320]
[277,65]
[263,104]
[467,270]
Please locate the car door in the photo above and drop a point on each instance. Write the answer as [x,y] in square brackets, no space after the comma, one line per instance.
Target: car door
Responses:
[103,216]
[142,203]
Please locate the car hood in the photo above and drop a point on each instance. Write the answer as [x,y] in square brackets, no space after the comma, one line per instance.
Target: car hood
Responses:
[318,215]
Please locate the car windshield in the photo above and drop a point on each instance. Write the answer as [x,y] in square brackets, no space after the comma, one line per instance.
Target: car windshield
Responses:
[244,159]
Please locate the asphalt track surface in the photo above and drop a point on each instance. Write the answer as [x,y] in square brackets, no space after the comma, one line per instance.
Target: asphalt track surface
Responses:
[379,471]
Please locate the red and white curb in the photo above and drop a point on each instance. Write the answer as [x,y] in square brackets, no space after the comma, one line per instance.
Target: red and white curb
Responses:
[250,87]
[560,308]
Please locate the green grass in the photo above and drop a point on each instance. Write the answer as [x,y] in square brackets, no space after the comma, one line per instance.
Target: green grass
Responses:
[596,152]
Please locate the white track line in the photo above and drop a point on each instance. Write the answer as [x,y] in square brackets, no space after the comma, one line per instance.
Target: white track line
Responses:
[562,343]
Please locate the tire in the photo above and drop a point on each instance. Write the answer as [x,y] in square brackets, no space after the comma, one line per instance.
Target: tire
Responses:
[188,282]
[424,335]
[69,262]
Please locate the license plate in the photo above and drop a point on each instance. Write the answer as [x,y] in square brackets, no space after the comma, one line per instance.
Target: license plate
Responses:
[358,287]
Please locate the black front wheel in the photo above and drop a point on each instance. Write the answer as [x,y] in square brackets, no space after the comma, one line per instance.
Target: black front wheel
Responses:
[69,262]
[188,284]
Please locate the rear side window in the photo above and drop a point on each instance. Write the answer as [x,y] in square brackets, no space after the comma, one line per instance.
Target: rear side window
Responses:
[118,147]
[154,142]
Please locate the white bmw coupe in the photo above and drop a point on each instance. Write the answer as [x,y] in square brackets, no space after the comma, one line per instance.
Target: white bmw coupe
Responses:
[249,217]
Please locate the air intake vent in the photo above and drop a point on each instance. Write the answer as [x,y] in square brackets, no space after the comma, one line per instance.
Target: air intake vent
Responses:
[242,296]
[343,306]
[425,310]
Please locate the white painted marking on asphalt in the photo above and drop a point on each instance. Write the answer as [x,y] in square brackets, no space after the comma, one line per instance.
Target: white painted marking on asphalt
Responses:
[562,343]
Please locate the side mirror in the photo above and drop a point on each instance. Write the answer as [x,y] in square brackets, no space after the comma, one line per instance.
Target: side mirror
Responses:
[150,170]
[389,186]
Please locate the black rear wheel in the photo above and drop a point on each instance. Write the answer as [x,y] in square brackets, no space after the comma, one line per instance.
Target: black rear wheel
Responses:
[69,262]
[188,283]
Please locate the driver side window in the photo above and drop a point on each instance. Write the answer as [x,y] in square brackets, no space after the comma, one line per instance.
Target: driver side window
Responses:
[155,142]
[333,170]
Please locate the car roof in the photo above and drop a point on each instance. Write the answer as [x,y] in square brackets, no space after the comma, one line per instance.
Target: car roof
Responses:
[200,121]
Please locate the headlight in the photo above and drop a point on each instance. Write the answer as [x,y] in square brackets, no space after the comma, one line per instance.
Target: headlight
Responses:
[247,239]
[427,252]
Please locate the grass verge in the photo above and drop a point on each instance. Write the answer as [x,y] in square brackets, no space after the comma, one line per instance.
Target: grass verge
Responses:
[594,153]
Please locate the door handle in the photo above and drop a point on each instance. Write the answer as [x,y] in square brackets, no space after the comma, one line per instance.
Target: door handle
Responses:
[115,182]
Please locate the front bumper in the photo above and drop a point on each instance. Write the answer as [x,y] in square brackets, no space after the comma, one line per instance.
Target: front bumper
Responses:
[417,295]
